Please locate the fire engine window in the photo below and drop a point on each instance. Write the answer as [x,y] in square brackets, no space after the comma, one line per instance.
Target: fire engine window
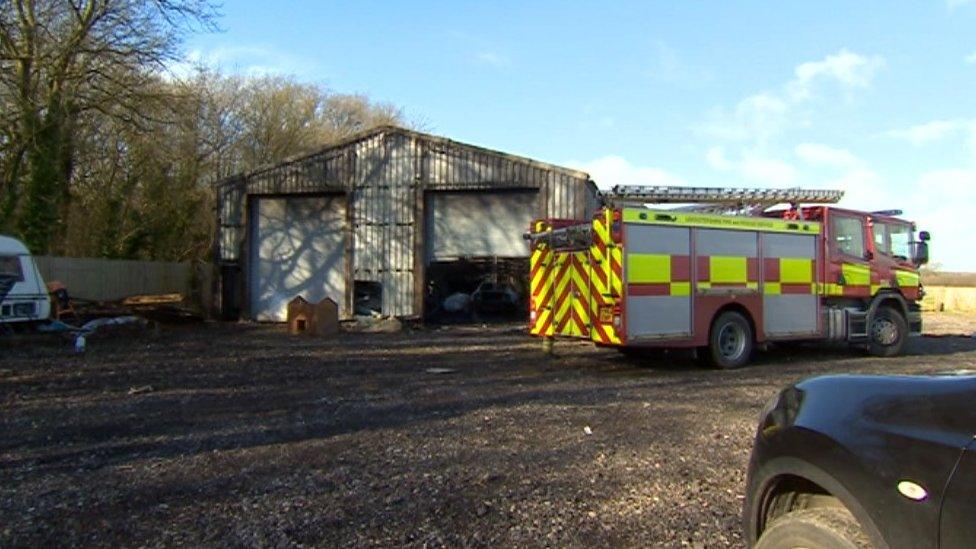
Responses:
[901,241]
[10,266]
[881,238]
[848,235]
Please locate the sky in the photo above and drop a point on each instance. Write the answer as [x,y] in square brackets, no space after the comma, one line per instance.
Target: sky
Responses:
[874,98]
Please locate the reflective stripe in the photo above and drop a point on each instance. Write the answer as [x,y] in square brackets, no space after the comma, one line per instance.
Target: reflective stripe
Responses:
[605,283]
[906,278]
[733,270]
[742,223]
[856,275]
[780,288]
[680,288]
[541,264]
[648,268]
[795,270]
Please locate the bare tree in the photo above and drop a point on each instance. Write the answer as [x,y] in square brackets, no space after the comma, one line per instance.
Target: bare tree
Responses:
[144,192]
[64,59]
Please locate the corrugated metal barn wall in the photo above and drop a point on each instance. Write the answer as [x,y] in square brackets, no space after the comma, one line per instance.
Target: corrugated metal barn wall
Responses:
[384,175]
[384,198]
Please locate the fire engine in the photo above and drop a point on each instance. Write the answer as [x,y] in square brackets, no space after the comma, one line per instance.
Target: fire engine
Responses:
[723,271]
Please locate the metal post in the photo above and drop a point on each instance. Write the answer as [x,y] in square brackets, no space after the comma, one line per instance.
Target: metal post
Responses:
[547,344]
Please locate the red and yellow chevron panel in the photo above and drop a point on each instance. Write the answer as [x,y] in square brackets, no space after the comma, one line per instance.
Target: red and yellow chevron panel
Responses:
[606,281]
[541,265]
[571,311]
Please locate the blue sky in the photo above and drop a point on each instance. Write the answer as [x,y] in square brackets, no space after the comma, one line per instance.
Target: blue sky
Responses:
[875,98]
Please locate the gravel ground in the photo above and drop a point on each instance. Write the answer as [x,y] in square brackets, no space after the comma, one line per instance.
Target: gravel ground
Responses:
[241,435]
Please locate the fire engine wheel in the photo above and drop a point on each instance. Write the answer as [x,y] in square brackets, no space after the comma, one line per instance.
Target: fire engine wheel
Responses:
[730,341]
[886,336]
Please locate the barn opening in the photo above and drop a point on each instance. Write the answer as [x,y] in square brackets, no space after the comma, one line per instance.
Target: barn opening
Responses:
[476,255]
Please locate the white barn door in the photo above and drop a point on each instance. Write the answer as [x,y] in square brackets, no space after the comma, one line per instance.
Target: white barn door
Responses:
[479,224]
[297,248]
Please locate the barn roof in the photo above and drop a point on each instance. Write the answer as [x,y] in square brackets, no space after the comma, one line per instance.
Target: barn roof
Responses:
[429,138]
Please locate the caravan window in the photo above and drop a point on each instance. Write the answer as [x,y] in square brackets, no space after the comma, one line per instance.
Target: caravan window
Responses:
[10,266]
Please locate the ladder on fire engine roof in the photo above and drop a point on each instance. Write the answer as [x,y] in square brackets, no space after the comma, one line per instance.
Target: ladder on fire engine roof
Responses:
[727,200]
[719,199]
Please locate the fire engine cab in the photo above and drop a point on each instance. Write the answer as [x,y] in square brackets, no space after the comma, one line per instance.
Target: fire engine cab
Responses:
[726,270]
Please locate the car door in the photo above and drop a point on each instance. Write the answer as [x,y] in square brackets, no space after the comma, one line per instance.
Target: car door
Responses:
[957,527]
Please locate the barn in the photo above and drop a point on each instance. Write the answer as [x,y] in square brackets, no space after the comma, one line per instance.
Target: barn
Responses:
[390,220]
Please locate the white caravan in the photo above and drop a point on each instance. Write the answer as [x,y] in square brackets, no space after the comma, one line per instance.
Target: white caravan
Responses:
[27,299]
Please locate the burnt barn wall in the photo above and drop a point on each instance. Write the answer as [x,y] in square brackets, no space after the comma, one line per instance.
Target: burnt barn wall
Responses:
[385,178]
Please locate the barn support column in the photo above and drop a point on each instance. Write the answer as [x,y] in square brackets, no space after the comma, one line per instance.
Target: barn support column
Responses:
[348,310]
[419,230]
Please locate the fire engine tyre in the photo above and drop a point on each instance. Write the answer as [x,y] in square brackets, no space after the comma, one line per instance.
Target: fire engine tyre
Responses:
[730,341]
[826,528]
[887,333]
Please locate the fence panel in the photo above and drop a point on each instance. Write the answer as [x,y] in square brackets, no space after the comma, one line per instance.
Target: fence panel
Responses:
[112,279]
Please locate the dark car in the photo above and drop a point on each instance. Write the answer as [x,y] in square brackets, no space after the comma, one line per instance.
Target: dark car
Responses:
[862,461]
[491,297]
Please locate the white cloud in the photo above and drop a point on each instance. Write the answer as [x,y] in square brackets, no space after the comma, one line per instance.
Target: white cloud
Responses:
[611,170]
[251,60]
[928,132]
[959,183]
[863,190]
[817,154]
[758,118]
[942,202]
[767,171]
[753,167]
[849,69]
[716,158]
[492,59]
[763,116]
[669,68]
[971,58]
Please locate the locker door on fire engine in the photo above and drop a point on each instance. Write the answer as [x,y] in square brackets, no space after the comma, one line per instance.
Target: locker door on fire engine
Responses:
[657,268]
[790,302]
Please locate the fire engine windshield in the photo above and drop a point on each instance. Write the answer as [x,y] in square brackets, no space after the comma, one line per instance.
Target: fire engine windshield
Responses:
[894,240]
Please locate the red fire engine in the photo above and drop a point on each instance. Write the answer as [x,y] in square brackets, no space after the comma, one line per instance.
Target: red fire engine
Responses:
[729,270]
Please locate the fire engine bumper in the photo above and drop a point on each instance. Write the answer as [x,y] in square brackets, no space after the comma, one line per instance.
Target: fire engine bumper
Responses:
[914,322]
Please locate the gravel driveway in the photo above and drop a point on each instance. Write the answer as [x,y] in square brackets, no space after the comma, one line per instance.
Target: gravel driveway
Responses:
[238,434]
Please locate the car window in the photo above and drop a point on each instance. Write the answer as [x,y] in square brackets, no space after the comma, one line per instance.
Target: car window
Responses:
[10,266]
[847,235]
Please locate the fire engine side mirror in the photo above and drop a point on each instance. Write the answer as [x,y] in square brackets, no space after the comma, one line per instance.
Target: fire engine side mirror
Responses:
[921,252]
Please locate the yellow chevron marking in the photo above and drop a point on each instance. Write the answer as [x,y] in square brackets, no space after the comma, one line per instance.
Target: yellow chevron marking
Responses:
[856,275]
[615,283]
[907,279]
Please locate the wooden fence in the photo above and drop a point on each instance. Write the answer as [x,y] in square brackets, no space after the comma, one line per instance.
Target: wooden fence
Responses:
[112,279]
